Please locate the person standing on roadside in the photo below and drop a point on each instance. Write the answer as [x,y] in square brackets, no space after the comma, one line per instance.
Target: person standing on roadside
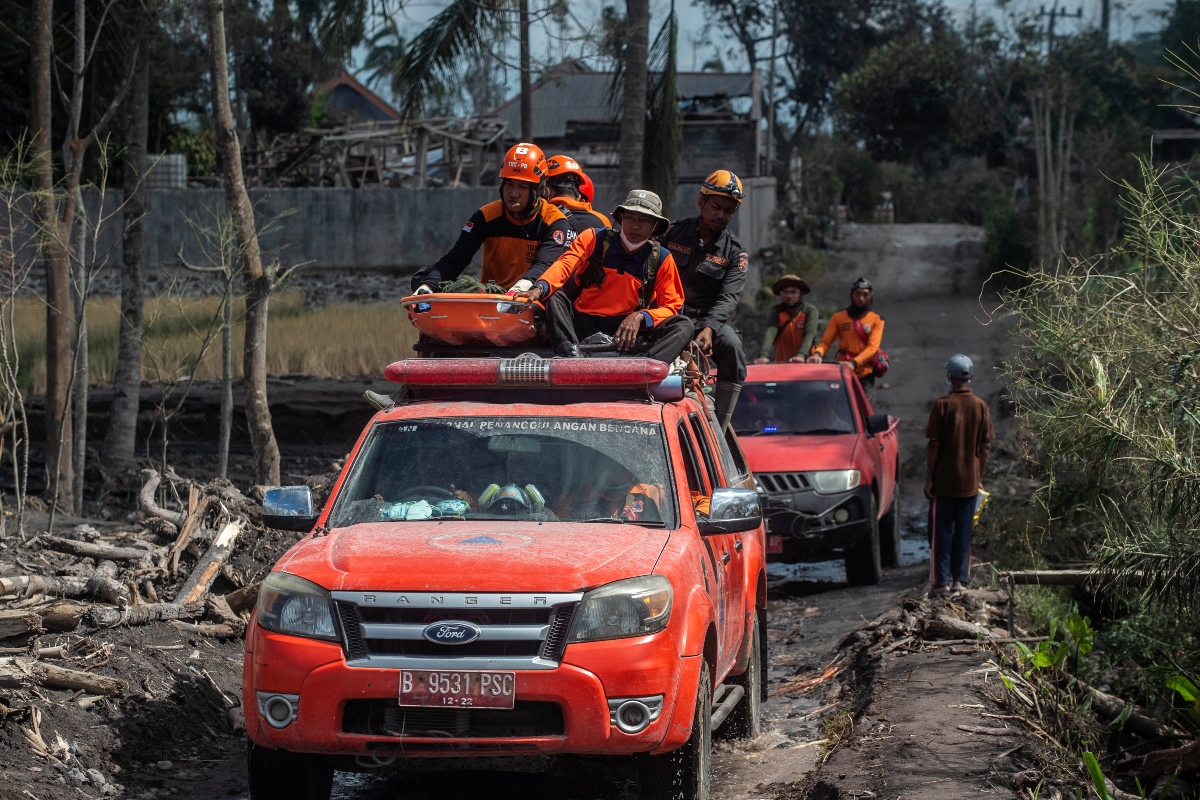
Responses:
[959,429]
[859,332]
[792,324]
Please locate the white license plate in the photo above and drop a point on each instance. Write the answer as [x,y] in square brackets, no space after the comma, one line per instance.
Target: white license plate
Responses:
[458,688]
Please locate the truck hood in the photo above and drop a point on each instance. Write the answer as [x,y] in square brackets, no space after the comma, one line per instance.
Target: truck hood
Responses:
[475,556]
[799,453]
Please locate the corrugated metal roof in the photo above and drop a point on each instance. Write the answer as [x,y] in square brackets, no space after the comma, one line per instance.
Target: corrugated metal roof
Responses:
[584,97]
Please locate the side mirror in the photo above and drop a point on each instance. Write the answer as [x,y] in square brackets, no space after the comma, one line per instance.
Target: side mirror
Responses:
[732,511]
[289,508]
[878,423]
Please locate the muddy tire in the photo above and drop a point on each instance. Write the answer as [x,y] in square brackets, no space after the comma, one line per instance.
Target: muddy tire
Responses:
[745,721]
[683,774]
[281,775]
[864,565]
[889,532]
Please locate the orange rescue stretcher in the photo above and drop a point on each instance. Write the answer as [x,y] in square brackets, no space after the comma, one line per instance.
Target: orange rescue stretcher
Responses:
[476,319]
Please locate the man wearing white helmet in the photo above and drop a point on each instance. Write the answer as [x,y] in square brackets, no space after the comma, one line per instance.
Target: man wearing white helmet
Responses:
[959,429]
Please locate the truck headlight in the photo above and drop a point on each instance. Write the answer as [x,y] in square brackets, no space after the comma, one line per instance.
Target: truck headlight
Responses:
[632,607]
[290,604]
[834,480]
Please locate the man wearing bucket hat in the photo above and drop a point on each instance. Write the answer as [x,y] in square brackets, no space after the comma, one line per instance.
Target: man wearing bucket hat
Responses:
[712,266]
[620,282]
[959,429]
[792,324]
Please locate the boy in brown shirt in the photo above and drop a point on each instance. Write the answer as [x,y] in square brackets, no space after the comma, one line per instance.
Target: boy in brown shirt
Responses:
[959,429]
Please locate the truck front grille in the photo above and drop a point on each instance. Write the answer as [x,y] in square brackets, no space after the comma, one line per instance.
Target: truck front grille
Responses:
[387,718]
[782,482]
[516,631]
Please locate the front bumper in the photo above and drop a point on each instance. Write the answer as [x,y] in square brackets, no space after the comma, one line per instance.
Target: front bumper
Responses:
[330,715]
[809,524]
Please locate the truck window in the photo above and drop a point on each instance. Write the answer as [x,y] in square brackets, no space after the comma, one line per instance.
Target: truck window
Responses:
[714,477]
[691,464]
[735,460]
[505,468]
[794,408]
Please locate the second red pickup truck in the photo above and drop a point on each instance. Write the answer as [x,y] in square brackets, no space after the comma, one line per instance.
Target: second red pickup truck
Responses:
[826,467]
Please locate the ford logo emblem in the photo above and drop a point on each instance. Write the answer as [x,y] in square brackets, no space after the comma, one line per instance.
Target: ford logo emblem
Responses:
[451,632]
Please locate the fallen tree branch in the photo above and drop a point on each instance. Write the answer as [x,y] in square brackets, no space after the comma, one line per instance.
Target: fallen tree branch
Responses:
[219,630]
[1051,577]
[1184,759]
[143,614]
[944,626]
[244,599]
[1111,707]
[63,678]
[61,617]
[218,610]
[104,584]
[18,622]
[194,518]
[150,482]
[29,585]
[207,569]
[94,550]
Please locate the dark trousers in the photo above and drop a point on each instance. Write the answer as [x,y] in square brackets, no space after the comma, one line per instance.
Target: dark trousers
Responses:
[566,324]
[728,355]
[953,521]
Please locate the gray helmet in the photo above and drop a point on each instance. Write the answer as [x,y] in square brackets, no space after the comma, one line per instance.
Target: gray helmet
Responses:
[959,366]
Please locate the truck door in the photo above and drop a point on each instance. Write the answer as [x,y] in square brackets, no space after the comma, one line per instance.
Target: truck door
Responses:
[732,548]
[714,546]
[882,450]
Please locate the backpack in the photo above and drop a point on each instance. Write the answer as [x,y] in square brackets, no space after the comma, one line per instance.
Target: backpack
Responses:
[879,362]
[593,274]
[576,224]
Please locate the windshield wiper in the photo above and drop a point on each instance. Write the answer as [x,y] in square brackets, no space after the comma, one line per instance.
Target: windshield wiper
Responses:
[620,521]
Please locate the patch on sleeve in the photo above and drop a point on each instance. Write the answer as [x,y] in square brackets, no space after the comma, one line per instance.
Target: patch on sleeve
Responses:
[743,261]
[470,226]
[559,238]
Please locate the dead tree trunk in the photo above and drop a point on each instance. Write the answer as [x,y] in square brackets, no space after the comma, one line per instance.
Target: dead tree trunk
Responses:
[119,440]
[633,113]
[526,80]
[257,280]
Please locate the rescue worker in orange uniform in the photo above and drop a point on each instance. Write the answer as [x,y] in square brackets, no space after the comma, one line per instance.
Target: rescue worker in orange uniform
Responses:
[858,331]
[619,282]
[712,266]
[792,324]
[521,233]
[564,188]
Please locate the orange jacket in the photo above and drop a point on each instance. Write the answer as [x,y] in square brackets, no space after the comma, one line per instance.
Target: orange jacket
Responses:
[580,213]
[623,272]
[850,346]
[512,249]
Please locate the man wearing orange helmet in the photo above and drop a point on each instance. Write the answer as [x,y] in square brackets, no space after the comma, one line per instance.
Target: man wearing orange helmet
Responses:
[564,188]
[712,265]
[521,234]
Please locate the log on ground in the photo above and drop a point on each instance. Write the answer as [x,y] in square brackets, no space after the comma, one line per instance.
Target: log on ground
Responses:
[96,550]
[42,584]
[207,569]
[18,622]
[143,614]
[63,678]
[104,584]
[61,617]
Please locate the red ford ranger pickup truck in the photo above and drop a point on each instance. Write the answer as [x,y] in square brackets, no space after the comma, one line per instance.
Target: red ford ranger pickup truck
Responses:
[521,557]
[827,467]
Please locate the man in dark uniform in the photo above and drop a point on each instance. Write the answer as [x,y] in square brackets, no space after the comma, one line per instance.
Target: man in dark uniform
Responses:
[712,265]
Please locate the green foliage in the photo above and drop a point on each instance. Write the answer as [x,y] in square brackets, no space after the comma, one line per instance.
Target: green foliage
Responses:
[1105,379]
[1078,640]
[200,147]
[1093,769]
[1183,686]
[901,102]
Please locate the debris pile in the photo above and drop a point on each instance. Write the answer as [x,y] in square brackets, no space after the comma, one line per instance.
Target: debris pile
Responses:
[100,620]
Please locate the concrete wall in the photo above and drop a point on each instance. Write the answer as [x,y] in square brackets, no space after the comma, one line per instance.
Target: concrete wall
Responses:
[395,229]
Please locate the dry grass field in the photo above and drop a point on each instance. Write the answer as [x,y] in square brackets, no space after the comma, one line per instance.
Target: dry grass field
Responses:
[332,341]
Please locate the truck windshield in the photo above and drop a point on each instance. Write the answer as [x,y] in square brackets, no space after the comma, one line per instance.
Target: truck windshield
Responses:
[510,468]
[794,407]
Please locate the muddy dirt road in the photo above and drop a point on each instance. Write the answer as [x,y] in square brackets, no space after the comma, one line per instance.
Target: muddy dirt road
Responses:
[176,742]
